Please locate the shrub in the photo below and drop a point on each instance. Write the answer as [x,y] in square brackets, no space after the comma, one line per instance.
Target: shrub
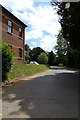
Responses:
[27,58]
[42,58]
[7,60]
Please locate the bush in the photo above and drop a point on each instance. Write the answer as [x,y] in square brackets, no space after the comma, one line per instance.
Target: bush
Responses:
[7,60]
[42,58]
[27,58]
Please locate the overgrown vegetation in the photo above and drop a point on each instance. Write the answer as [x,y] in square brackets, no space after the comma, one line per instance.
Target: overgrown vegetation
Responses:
[22,70]
[12,71]
[7,61]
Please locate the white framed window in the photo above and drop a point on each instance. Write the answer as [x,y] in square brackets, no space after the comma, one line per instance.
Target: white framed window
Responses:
[9,26]
[20,32]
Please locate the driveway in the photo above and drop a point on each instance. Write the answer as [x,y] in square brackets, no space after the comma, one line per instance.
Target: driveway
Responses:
[52,94]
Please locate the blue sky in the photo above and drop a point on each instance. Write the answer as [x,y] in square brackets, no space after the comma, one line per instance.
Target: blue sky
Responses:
[42,21]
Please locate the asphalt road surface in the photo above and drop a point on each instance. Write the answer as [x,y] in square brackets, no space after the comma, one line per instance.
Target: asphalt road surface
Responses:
[51,94]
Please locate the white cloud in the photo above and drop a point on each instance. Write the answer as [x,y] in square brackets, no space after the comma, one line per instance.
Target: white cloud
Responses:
[48,43]
[34,34]
[31,47]
[42,19]
[45,19]
[17,4]
[22,16]
[33,43]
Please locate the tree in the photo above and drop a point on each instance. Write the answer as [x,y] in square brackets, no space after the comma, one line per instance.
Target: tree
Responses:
[35,52]
[42,58]
[27,58]
[7,60]
[73,58]
[65,53]
[27,49]
[51,58]
[69,18]
[61,48]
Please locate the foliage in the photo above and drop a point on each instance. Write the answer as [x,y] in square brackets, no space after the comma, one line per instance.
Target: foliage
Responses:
[51,58]
[7,60]
[27,57]
[22,70]
[42,58]
[69,18]
[76,57]
[61,48]
[73,58]
[27,49]
[65,53]
[35,52]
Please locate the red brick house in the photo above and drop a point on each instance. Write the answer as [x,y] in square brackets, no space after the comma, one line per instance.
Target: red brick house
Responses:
[13,34]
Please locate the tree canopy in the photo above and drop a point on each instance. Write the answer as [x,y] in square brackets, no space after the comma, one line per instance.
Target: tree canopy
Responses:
[27,49]
[42,58]
[61,48]
[65,53]
[69,18]
[35,52]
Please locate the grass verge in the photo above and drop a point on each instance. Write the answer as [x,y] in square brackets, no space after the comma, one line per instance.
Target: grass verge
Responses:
[23,70]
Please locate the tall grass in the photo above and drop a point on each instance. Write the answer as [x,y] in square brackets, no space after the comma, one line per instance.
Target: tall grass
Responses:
[22,70]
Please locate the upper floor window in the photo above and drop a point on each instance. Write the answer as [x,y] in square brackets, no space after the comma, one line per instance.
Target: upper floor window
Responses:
[20,32]
[9,26]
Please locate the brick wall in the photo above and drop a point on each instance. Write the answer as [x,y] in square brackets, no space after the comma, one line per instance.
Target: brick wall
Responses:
[13,39]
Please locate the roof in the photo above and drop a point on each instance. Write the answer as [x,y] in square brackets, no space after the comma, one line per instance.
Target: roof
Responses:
[13,16]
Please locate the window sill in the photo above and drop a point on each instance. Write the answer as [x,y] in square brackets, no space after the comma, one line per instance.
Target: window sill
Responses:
[10,33]
[20,37]
[20,58]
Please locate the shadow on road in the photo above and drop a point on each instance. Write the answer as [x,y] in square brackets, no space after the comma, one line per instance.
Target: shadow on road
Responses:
[51,95]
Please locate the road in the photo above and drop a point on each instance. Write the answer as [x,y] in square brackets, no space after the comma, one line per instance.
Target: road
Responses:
[51,94]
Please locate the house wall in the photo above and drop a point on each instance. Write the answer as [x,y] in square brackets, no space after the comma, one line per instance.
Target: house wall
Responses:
[13,39]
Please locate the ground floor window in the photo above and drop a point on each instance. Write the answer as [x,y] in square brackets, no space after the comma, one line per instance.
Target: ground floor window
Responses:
[20,52]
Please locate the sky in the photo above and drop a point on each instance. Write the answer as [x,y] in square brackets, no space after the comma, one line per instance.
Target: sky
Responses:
[42,21]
